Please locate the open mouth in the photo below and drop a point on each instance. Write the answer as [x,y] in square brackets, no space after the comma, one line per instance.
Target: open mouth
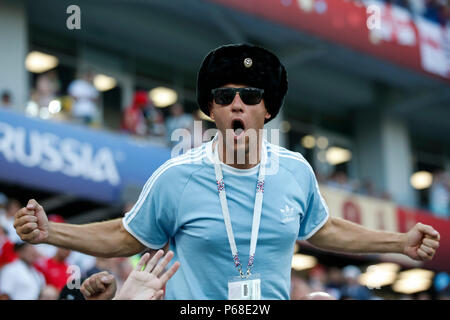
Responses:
[238,128]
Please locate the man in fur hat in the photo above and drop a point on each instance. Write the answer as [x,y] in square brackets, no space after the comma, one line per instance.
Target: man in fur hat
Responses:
[232,209]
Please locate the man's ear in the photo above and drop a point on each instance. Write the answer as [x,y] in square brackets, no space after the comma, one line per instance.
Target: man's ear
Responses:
[268,116]
[211,114]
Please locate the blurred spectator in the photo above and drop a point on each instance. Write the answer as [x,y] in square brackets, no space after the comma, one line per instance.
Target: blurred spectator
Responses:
[317,278]
[367,188]
[5,101]
[7,219]
[155,122]
[121,269]
[47,87]
[432,11]
[3,202]
[334,283]
[71,293]
[339,180]
[84,261]
[417,7]
[352,289]
[197,137]
[440,194]
[399,3]
[133,120]
[55,268]
[101,264]
[20,280]
[7,253]
[423,296]
[178,119]
[49,293]
[299,287]
[442,285]
[85,95]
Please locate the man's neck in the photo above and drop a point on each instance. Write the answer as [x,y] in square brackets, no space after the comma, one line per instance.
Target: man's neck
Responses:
[239,159]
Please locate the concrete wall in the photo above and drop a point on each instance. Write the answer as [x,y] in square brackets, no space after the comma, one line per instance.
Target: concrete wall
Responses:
[14,48]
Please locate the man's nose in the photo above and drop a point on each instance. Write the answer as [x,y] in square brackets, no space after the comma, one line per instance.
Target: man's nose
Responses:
[237,104]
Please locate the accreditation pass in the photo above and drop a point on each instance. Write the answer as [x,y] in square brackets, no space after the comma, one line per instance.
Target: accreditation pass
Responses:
[244,288]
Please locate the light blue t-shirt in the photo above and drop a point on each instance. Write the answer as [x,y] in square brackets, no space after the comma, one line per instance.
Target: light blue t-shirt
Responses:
[180,203]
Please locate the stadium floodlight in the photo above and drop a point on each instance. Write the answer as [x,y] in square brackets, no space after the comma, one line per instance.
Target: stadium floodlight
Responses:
[322,142]
[421,180]
[44,113]
[337,155]
[285,126]
[303,261]
[322,156]
[409,286]
[32,109]
[104,83]
[388,266]
[308,141]
[414,280]
[39,62]
[163,97]
[54,106]
[416,273]
[379,275]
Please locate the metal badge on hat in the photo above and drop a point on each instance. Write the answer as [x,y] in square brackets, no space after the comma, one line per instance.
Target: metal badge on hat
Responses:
[248,62]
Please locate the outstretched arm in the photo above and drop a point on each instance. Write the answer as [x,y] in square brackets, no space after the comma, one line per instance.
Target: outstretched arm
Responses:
[101,239]
[340,235]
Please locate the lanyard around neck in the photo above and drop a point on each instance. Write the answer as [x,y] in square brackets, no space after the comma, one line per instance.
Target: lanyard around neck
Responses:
[256,210]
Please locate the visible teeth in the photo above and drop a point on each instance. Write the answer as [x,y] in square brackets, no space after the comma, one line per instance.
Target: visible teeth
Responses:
[238,131]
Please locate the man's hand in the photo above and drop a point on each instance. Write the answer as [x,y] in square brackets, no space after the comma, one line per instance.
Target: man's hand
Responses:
[31,223]
[99,286]
[145,282]
[421,242]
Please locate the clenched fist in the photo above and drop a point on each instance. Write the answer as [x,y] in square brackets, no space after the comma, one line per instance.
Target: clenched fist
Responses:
[422,242]
[31,223]
[100,286]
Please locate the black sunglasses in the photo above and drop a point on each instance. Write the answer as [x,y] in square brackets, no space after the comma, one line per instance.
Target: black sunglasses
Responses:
[248,95]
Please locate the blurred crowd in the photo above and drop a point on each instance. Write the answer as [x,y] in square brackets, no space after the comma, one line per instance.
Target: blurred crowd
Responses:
[45,272]
[344,284]
[435,10]
[80,103]
[438,194]
[142,119]
[340,180]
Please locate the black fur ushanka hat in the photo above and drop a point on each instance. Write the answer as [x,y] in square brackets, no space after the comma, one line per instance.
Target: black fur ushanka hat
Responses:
[245,65]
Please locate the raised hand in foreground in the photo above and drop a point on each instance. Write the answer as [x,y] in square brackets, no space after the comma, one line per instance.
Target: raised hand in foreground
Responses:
[145,282]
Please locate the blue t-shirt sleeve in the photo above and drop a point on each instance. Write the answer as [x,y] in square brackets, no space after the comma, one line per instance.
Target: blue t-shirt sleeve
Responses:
[152,220]
[316,213]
